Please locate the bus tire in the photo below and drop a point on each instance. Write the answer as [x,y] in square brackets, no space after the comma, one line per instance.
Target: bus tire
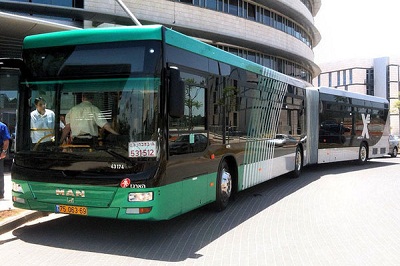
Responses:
[224,186]
[363,154]
[394,152]
[298,163]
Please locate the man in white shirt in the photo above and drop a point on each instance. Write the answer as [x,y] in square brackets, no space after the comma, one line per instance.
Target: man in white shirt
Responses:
[83,121]
[42,122]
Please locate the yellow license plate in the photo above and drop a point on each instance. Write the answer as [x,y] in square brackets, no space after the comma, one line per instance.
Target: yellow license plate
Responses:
[71,209]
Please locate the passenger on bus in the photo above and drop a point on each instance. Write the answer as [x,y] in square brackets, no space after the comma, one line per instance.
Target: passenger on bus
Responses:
[42,122]
[83,121]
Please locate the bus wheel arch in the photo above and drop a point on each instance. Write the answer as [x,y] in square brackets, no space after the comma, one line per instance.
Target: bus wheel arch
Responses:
[227,182]
[298,162]
[363,153]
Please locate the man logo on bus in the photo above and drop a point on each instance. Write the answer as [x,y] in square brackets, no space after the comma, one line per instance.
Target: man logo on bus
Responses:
[366,120]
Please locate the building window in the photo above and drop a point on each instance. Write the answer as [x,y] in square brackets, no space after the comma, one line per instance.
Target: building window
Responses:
[344,77]
[370,81]
[351,76]
[257,13]
[233,7]
[71,3]
[76,22]
[211,4]
[198,3]
[251,13]
[251,56]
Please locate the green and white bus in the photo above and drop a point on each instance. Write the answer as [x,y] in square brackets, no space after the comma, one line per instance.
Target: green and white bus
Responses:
[196,124]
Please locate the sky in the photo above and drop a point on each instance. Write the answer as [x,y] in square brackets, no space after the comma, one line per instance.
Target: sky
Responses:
[357,29]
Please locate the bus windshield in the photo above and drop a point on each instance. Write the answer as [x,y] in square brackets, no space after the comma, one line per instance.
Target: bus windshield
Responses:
[89,89]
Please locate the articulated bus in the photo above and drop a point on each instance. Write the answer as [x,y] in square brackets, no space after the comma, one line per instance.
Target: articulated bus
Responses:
[195,124]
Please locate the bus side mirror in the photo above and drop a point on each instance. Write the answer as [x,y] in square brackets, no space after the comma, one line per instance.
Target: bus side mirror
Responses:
[176,97]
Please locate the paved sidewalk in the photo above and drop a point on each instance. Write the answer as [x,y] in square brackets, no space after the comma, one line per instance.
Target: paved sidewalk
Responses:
[6,204]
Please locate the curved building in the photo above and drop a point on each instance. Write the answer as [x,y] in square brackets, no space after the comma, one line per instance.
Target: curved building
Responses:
[279,34]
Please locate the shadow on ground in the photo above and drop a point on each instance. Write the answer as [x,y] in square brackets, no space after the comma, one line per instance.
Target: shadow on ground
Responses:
[179,238]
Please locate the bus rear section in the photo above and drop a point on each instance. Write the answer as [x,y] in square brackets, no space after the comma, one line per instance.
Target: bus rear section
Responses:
[345,126]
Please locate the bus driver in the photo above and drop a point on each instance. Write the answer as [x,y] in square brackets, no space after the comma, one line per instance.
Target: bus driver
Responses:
[83,121]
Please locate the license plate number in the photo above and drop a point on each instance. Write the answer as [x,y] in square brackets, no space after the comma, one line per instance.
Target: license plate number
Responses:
[143,149]
[71,209]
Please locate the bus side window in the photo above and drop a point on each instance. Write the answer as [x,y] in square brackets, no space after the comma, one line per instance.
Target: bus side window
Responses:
[187,134]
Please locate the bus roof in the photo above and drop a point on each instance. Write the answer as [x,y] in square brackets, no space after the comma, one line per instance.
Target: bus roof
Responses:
[96,35]
[152,32]
[354,95]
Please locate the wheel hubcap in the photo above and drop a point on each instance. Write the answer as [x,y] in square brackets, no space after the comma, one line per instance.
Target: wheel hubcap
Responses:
[298,161]
[226,184]
[363,154]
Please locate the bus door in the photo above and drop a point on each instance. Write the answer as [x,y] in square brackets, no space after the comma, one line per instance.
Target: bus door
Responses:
[11,71]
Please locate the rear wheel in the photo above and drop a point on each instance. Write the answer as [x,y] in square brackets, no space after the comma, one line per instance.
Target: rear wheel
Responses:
[298,163]
[394,152]
[363,154]
[224,186]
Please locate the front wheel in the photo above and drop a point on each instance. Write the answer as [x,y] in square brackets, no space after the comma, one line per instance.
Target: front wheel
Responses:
[363,154]
[224,187]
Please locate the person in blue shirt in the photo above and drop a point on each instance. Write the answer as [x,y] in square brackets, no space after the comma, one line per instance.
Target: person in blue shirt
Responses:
[4,142]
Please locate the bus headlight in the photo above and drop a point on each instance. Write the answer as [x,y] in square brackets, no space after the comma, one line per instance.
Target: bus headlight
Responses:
[17,187]
[140,196]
